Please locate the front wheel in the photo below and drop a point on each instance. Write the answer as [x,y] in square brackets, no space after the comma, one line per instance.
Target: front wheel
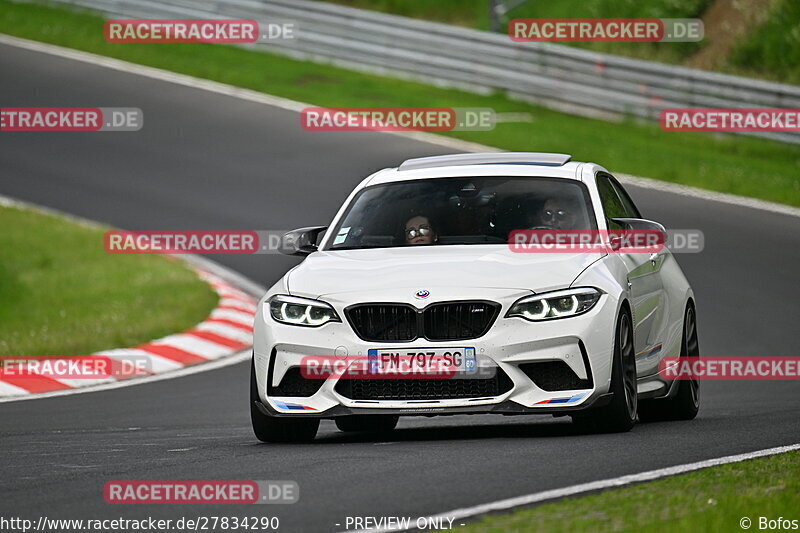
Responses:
[620,414]
[685,404]
[276,429]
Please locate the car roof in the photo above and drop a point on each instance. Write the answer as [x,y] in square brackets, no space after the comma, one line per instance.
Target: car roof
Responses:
[531,164]
[486,158]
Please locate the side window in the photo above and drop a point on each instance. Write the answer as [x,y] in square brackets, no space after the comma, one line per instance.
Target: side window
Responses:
[630,208]
[612,205]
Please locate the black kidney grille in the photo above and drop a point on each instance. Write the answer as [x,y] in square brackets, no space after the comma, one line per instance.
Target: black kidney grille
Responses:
[384,322]
[446,321]
[458,320]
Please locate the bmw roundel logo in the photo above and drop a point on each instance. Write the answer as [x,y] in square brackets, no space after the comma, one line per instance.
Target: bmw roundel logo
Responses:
[422,293]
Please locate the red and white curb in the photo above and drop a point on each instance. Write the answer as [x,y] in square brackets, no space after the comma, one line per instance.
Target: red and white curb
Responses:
[228,330]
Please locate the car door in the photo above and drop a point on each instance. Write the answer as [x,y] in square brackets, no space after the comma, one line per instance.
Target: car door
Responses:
[644,278]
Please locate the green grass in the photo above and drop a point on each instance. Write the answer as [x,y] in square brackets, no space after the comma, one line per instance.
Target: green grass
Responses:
[732,164]
[773,50]
[710,500]
[62,294]
[770,49]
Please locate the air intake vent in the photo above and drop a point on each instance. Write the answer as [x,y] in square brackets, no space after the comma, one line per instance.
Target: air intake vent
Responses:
[554,376]
[294,384]
[424,389]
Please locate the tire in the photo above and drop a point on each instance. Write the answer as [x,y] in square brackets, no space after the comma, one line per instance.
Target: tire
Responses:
[374,423]
[620,414]
[685,404]
[277,429]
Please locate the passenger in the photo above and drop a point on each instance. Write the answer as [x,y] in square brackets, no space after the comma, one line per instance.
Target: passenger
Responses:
[559,213]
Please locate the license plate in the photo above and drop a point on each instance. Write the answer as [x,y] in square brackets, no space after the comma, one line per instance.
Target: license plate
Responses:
[439,361]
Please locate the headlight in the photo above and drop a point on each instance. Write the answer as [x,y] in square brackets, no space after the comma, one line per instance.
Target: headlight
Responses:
[300,311]
[558,304]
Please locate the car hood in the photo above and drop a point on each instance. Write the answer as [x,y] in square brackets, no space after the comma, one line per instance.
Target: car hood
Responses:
[429,267]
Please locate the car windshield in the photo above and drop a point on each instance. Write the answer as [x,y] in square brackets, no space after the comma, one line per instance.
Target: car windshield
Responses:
[471,210]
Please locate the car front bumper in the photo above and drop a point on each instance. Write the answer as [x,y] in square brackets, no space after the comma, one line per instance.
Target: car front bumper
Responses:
[584,343]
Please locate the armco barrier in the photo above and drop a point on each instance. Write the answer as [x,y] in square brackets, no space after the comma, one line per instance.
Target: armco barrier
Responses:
[563,77]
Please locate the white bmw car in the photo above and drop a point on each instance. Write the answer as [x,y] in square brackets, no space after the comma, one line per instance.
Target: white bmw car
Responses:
[416,284]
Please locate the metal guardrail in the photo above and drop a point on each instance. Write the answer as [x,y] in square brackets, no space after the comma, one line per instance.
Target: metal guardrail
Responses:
[563,77]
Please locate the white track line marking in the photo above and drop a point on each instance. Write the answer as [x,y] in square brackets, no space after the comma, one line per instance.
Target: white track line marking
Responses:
[538,497]
[82,382]
[704,194]
[430,138]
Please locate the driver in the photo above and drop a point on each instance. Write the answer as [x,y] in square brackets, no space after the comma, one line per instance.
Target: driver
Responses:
[559,213]
[419,230]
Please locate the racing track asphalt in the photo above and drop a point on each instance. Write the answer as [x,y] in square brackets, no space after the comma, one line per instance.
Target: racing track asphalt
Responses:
[207,161]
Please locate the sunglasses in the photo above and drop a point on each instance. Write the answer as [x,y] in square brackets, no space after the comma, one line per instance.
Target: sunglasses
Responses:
[560,214]
[424,230]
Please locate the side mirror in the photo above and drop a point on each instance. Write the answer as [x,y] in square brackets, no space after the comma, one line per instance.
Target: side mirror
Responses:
[648,234]
[302,241]
[640,224]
